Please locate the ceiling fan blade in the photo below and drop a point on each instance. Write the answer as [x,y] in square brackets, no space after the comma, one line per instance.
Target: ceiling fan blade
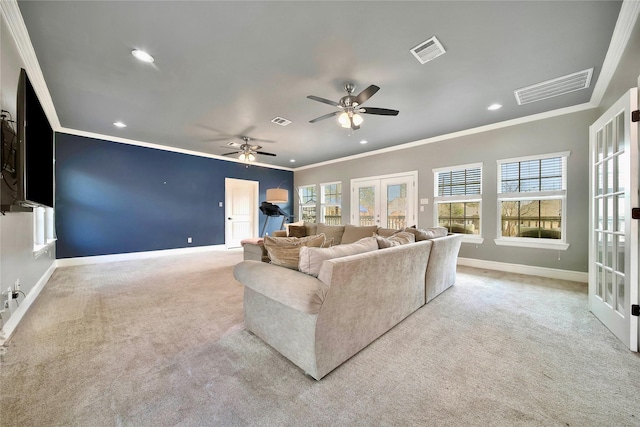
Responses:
[323,100]
[379,111]
[326,116]
[366,94]
[230,154]
[262,140]
[264,153]
[255,147]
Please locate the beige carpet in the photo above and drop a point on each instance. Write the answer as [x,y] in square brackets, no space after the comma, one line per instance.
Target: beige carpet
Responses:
[161,342]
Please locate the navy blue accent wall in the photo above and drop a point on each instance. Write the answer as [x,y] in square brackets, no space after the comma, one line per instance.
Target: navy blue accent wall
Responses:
[116,198]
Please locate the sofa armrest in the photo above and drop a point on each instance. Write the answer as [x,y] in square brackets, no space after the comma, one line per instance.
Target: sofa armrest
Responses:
[289,287]
[441,270]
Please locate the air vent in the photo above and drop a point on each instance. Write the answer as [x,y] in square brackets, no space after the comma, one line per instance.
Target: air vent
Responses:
[554,87]
[428,50]
[281,121]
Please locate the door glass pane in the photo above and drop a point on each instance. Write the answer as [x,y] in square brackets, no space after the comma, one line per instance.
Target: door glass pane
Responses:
[367,206]
[609,214]
[608,249]
[396,206]
[599,213]
[620,214]
[599,147]
[620,299]
[599,287]
[608,138]
[609,170]
[608,287]
[600,248]
[600,178]
[620,254]
[621,176]
[619,146]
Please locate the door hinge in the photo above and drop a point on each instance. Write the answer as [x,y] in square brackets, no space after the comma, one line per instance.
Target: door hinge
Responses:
[635,116]
[635,310]
[635,213]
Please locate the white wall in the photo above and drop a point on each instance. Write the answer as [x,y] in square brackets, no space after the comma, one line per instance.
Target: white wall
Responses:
[17,260]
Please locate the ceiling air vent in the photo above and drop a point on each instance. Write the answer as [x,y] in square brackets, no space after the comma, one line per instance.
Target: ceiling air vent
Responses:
[428,50]
[281,121]
[554,87]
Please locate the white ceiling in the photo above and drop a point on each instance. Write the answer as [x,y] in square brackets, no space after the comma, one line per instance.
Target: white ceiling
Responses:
[227,68]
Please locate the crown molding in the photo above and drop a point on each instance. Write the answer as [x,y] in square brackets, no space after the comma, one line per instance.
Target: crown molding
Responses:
[116,139]
[466,132]
[625,24]
[11,13]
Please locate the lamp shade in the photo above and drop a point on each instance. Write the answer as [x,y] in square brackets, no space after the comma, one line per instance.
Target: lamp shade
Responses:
[277,195]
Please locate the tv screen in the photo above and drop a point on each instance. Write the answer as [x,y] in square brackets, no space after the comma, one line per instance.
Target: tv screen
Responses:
[35,149]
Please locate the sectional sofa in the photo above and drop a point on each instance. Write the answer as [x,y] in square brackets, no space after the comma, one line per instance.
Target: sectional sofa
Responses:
[321,317]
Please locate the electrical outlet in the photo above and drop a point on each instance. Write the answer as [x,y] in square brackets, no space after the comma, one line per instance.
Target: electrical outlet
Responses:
[189,240]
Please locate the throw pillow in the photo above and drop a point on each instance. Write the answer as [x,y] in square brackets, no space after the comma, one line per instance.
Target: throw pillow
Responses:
[286,226]
[429,233]
[327,243]
[312,228]
[297,231]
[311,259]
[285,251]
[387,232]
[400,238]
[330,231]
[353,233]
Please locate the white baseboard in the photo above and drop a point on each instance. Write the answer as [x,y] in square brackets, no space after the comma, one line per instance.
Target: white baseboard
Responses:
[67,262]
[16,316]
[529,270]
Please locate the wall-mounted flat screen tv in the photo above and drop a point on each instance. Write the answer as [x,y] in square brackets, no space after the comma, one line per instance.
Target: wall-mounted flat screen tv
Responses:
[35,169]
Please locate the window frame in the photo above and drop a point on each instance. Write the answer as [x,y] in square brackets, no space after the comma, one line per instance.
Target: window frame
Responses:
[562,195]
[323,203]
[468,198]
[313,204]
[44,235]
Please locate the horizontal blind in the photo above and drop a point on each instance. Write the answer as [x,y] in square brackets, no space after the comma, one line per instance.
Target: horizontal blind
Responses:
[459,182]
[531,175]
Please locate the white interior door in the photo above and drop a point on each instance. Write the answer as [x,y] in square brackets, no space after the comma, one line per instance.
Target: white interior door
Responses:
[241,211]
[387,201]
[613,242]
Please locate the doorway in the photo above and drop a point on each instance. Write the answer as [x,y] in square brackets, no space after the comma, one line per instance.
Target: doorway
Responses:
[241,211]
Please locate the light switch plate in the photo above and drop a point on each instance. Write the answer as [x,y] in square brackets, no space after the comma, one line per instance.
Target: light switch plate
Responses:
[424,201]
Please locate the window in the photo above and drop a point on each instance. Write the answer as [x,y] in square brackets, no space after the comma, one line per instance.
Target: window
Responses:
[43,229]
[331,203]
[308,200]
[532,200]
[458,200]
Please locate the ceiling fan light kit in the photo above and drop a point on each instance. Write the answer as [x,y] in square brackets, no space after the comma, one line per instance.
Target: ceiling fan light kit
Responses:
[350,110]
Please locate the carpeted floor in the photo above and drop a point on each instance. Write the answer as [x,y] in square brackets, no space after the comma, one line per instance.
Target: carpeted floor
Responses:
[161,342]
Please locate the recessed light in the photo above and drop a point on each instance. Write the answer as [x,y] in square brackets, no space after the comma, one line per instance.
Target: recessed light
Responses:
[292,160]
[363,141]
[142,55]
[119,125]
[493,107]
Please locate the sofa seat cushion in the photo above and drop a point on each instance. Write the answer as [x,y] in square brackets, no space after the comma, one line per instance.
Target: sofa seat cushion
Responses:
[331,231]
[311,259]
[353,233]
[285,251]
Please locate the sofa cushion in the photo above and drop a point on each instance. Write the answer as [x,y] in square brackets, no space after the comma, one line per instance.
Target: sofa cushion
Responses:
[399,238]
[297,231]
[286,226]
[311,259]
[353,233]
[387,232]
[429,233]
[330,231]
[285,251]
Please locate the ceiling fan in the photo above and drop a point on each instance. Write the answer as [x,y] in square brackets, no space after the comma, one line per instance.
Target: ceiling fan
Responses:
[246,150]
[350,107]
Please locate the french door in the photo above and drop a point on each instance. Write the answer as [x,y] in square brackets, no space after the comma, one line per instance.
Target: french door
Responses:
[241,211]
[613,240]
[387,201]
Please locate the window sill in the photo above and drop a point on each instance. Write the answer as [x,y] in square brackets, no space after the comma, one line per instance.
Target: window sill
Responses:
[40,249]
[532,243]
[476,240]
